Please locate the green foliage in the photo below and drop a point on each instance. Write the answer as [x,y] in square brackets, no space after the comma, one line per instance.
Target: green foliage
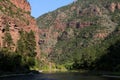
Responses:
[8,42]
[26,47]
[23,58]
[95,46]
[31,44]
[14,62]
[9,61]
[8,39]
[111,60]
[26,44]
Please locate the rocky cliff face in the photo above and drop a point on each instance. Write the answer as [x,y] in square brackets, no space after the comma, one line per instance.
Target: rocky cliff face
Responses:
[82,24]
[23,4]
[16,15]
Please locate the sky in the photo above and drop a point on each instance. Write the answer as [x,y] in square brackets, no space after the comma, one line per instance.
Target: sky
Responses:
[40,7]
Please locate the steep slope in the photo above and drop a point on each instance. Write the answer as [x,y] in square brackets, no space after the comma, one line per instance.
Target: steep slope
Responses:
[16,15]
[77,35]
[18,36]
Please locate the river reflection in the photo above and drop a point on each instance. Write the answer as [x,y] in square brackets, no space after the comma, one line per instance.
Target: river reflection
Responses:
[58,76]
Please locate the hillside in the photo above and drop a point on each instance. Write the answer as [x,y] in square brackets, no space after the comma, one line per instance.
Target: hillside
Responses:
[82,35]
[18,36]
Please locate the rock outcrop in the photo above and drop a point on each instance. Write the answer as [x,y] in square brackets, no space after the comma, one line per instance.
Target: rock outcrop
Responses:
[23,4]
[83,19]
[16,15]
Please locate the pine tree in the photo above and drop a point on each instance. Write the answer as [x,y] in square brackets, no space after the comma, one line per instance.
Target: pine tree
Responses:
[8,41]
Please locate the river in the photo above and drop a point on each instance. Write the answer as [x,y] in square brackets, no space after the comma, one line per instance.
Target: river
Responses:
[58,76]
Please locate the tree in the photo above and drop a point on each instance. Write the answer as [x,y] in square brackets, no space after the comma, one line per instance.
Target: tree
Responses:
[31,44]
[26,47]
[8,41]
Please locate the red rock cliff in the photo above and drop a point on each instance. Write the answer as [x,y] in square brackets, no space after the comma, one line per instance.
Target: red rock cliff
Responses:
[17,18]
[23,4]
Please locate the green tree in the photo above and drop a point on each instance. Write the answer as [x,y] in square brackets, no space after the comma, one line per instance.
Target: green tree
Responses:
[31,44]
[8,41]
[26,47]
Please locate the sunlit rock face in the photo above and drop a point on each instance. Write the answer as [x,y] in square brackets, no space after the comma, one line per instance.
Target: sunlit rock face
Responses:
[23,4]
[16,15]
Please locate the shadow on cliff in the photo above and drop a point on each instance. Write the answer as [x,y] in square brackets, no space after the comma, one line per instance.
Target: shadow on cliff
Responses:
[111,60]
[11,62]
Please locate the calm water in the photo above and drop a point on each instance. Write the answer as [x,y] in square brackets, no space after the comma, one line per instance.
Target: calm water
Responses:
[58,76]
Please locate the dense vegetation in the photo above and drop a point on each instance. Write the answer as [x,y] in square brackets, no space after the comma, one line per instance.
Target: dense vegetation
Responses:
[100,56]
[23,58]
[89,39]
[17,42]
[92,47]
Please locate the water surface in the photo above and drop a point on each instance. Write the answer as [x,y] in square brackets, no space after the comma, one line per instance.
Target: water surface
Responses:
[59,76]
